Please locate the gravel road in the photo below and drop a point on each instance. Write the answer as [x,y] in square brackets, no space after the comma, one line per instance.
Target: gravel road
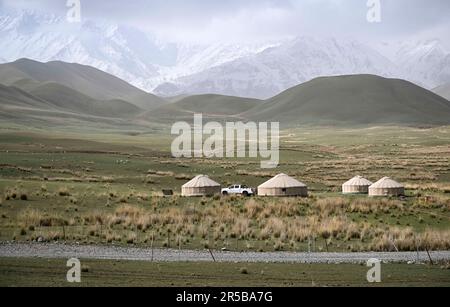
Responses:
[44,250]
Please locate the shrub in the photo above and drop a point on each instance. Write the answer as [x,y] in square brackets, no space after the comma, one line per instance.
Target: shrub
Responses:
[32,217]
[63,192]
[131,239]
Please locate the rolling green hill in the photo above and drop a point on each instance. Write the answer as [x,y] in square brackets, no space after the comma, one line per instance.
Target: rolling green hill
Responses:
[71,90]
[354,100]
[84,79]
[69,99]
[211,106]
[16,98]
[55,105]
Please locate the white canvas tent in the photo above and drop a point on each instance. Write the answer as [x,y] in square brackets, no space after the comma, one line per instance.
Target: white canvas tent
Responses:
[386,187]
[200,186]
[283,185]
[356,185]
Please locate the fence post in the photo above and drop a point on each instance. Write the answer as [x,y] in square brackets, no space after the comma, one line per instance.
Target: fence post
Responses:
[417,249]
[153,238]
[168,238]
[429,256]
[136,231]
[212,255]
[393,244]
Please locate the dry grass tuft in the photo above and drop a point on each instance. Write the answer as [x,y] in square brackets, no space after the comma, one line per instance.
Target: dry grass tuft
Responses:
[64,192]
[34,218]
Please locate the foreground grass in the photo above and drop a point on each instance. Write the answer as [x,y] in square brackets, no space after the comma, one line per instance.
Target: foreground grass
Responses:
[327,223]
[52,273]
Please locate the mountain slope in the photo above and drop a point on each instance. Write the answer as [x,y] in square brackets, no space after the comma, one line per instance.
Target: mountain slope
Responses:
[209,105]
[16,98]
[20,107]
[354,100]
[57,100]
[122,51]
[443,91]
[84,79]
[68,99]
[126,52]
[427,62]
[268,73]
[258,70]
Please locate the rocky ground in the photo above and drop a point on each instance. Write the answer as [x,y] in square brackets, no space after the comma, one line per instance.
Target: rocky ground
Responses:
[46,250]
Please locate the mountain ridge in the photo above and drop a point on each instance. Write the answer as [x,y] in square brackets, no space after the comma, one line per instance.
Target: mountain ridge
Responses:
[255,70]
[336,100]
[82,78]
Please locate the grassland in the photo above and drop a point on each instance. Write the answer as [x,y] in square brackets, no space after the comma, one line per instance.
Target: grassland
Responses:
[100,187]
[52,273]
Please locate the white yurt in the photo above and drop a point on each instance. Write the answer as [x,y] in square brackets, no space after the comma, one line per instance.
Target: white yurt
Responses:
[200,186]
[356,185]
[386,187]
[283,185]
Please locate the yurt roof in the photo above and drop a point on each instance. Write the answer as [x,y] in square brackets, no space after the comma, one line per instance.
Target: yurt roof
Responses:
[358,181]
[201,181]
[386,182]
[282,181]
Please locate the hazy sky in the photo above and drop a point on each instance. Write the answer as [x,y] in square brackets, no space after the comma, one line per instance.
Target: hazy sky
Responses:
[243,20]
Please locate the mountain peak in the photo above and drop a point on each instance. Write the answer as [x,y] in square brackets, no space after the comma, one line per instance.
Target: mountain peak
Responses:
[258,70]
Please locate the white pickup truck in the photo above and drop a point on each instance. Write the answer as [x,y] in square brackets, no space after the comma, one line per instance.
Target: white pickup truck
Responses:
[238,189]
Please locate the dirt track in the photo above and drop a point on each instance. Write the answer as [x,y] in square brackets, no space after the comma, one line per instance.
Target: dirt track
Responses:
[44,250]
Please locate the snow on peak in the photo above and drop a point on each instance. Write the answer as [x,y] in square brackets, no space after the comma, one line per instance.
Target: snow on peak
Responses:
[247,69]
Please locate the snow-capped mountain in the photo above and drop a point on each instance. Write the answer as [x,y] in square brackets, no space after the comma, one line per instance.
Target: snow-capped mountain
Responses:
[111,48]
[426,62]
[254,70]
[275,69]
[125,52]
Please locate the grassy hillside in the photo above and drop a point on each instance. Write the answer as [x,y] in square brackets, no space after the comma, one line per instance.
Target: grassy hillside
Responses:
[84,79]
[69,99]
[11,96]
[357,99]
[53,105]
[214,106]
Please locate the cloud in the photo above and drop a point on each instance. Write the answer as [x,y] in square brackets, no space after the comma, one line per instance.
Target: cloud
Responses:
[245,20]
